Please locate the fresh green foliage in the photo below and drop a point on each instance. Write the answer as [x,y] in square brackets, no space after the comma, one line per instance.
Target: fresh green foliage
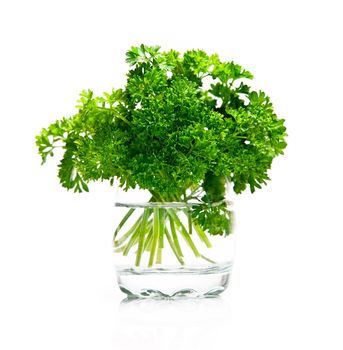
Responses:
[181,123]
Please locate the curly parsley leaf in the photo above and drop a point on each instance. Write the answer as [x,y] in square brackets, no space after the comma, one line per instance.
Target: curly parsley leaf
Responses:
[167,132]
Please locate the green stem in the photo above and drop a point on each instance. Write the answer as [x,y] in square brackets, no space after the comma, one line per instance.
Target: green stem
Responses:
[122,239]
[148,240]
[202,235]
[142,234]
[133,240]
[175,238]
[207,259]
[173,246]
[120,249]
[190,225]
[155,237]
[160,236]
[122,222]
[184,232]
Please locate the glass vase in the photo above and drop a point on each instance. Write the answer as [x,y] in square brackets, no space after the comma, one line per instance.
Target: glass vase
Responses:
[173,249]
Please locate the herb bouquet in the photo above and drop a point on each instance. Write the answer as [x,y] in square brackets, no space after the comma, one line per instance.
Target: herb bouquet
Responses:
[184,129]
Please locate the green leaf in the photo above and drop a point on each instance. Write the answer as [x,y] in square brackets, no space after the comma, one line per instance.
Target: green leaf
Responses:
[178,121]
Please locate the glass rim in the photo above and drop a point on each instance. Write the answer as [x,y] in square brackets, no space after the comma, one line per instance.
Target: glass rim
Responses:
[180,205]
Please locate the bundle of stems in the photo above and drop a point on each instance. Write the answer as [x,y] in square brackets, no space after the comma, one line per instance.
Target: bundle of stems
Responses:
[154,226]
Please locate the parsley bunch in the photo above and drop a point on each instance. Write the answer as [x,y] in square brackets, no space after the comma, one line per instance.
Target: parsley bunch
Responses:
[180,127]
[166,129]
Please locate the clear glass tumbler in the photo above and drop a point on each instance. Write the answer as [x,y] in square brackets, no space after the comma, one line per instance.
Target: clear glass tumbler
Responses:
[174,249]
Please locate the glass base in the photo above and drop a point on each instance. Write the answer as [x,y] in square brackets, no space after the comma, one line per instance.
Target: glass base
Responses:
[174,282]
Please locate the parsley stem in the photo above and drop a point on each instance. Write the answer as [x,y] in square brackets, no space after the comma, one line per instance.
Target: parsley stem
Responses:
[175,238]
[202,235]
[133,240]
[148,240]
[160,236]
[173,246]
[207,259]
[122,222]
[122,239]
[189,218]
[142,233]
[155,236]
[183,232]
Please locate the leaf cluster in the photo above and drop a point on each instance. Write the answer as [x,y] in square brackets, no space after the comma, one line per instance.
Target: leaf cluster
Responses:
[178,120]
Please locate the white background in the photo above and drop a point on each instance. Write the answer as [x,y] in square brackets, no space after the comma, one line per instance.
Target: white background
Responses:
[57,283]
